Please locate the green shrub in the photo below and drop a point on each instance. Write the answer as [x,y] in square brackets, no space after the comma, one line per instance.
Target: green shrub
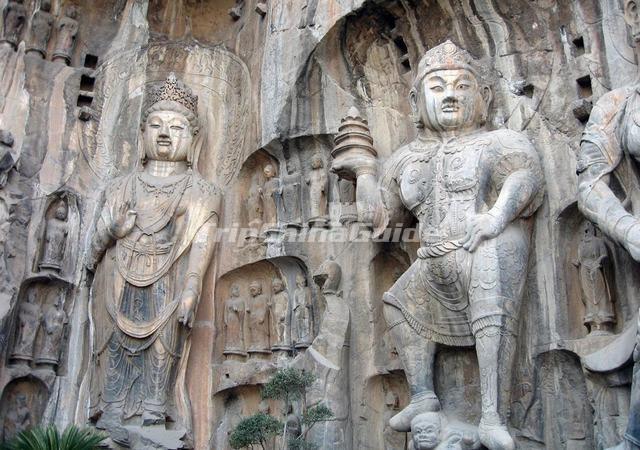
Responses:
[255,430]
[49,438]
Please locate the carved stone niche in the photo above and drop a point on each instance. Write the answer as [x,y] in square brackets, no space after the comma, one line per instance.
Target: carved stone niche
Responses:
[233,405]
[256,197]
[56,235]
[595,292]
[22,406]
[255,317]
[38,340]
[385,395]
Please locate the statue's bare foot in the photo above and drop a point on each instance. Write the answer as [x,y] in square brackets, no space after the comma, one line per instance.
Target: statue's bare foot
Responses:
[494,434]
[152,418]
[420,403]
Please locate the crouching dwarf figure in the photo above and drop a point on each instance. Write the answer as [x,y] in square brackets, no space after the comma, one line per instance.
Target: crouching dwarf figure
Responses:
[473,192]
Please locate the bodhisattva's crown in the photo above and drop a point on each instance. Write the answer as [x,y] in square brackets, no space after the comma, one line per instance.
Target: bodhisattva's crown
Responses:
[446,56]
[175,91]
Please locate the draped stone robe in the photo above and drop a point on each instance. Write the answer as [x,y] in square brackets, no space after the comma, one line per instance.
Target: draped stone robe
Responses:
[136,295]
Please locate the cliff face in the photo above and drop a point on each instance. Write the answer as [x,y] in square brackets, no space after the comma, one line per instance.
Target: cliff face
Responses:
[274,79]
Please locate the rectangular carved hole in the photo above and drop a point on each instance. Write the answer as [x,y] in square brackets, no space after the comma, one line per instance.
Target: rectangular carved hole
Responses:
[87,83]
[584,86]
[91,61]
[401,45]
[84,100]
[528,90]
[578,46]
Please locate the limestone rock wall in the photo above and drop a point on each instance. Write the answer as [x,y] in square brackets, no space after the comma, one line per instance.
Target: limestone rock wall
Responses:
[273,89]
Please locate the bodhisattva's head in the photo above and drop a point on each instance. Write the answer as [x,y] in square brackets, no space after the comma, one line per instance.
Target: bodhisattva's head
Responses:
[449,95]
[269,171]
[277,285]
[255,288]
[316,161]
[235,290]
[61,211]
[301,280]
[425,430]
[170,123]
[632,18]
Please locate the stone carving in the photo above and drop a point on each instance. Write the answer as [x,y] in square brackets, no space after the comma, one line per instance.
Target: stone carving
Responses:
[608,155]
[278,312]
[236,11]
[150,248]
[432,430]
[53,326]
[293,424]
[592,253]
[292,196]
[255,209]
[19,418]
[318,182]
[348,212]
[29,317]
[40,31]
[308,13]
[55,239]
[262,8]
[443,177]
[6,158]
[14,17]
[67,29]
[234,309]
[302,313]
[272,194]
[258,320]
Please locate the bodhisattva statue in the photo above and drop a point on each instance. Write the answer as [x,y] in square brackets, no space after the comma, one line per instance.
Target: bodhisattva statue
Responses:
[278,311]
[40,31]
[272,193]
[234,309]
[14,16]
[150,249]
[609,154]
[18,419]
[66,36]
[318,187]
[258,316]
[255,208]
[292,196]
[302,313]
[29,318]
[53,323]
[599,315]
[473,192]
[55,239]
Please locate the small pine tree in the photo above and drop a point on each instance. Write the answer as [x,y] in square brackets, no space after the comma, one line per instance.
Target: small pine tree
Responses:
[287,385]
[255,430]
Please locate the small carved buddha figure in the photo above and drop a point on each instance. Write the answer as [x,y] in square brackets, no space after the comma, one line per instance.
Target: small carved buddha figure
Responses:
[29,318]
[150,249]
[473,191]
[302,313]
[292,196]
[6,158]
[278,309]
[234,309]
[53,323]
[318,182]
[19,418]
[255,207]
[272,194]
[258,317]
[294,427]
[41,25]
[14,17]
[55,239]
[66,36]
[592,253]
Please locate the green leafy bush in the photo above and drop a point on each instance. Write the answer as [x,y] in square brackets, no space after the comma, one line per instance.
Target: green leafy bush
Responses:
[255,430]
[49,438]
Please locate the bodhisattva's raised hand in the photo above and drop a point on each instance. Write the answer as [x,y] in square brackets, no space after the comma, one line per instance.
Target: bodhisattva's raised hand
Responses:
[124,220]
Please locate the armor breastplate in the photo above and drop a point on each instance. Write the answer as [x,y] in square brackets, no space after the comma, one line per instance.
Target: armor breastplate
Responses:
[442,190]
